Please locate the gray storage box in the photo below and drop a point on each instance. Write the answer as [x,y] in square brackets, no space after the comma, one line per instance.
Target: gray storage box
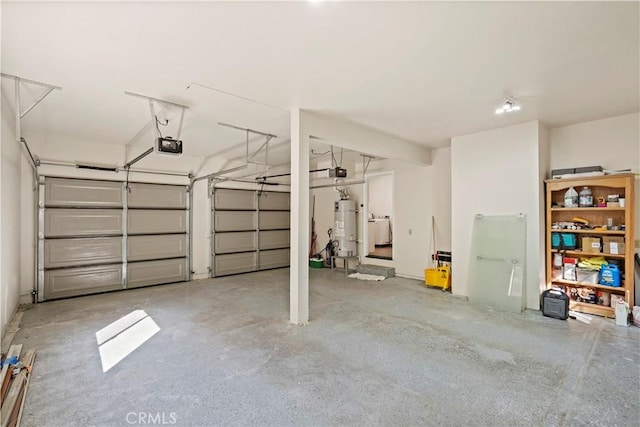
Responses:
[586,169]
[559,172]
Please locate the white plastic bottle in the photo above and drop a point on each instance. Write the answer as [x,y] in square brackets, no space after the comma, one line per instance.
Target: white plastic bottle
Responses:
[586,198]
[571,198]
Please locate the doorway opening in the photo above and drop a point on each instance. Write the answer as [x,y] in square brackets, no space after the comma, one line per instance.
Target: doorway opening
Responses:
[379,196]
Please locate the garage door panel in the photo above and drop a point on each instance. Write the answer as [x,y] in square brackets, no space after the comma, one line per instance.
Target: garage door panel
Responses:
[70,282]
[235,221]
[77,252]
[274,201]
[147,273]
[274,259]
[235,263]
[141,221]
[157,196]
[62,192]
[275,239]
[156,247]
[234,199]
[274,220]
[244,241]
[82,222]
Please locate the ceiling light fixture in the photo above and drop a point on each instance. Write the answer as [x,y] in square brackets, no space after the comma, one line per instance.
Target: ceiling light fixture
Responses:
[508,106]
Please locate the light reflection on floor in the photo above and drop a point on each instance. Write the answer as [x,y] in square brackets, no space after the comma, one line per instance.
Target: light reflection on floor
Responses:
[120,338]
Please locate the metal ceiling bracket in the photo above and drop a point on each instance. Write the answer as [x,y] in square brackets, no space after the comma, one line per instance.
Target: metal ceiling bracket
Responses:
[154,122]
[150,98]
[165,103]
[218,176]
[20,113]
[338,184]
[257,132]
[264,146]
[366,159]
[154,119]
[137,159]
[220,173]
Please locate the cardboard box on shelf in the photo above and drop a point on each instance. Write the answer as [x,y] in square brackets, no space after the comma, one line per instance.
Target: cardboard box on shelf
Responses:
[591,245]
[613,245]
[615,298]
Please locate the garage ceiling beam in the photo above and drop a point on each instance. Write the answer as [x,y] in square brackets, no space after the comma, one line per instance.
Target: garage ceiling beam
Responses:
[353,136]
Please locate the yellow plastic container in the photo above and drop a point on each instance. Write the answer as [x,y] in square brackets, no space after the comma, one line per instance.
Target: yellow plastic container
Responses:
[439,277]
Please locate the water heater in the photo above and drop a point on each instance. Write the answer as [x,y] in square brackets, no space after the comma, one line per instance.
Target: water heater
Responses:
[344,229]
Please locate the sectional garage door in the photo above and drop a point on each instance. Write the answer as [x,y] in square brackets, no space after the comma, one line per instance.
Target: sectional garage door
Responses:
[249,231]
[97,236]
[157,234]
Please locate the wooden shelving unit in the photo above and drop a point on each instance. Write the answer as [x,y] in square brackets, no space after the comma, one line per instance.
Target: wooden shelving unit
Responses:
[601,186]
[582,254]
[594,232]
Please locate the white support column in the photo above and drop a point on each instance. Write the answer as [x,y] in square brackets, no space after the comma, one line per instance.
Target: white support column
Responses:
[299,276]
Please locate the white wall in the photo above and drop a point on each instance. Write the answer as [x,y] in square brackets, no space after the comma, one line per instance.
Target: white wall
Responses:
[496,172]
[343,133]
[10,217]
[544,168]
[441,200]
[613,143]
[412,237]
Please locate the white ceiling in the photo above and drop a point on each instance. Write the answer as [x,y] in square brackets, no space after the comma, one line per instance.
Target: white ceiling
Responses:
[423,71]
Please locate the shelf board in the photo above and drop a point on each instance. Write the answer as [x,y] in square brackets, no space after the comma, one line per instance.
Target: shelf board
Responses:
[604,232]
[586,209]
[617,289]
[589,254]
[599,310]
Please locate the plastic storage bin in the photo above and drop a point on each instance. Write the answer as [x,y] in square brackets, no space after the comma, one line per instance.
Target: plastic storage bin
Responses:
[439,277]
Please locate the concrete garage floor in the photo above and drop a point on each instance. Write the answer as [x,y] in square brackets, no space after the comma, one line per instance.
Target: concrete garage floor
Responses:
[375,353]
